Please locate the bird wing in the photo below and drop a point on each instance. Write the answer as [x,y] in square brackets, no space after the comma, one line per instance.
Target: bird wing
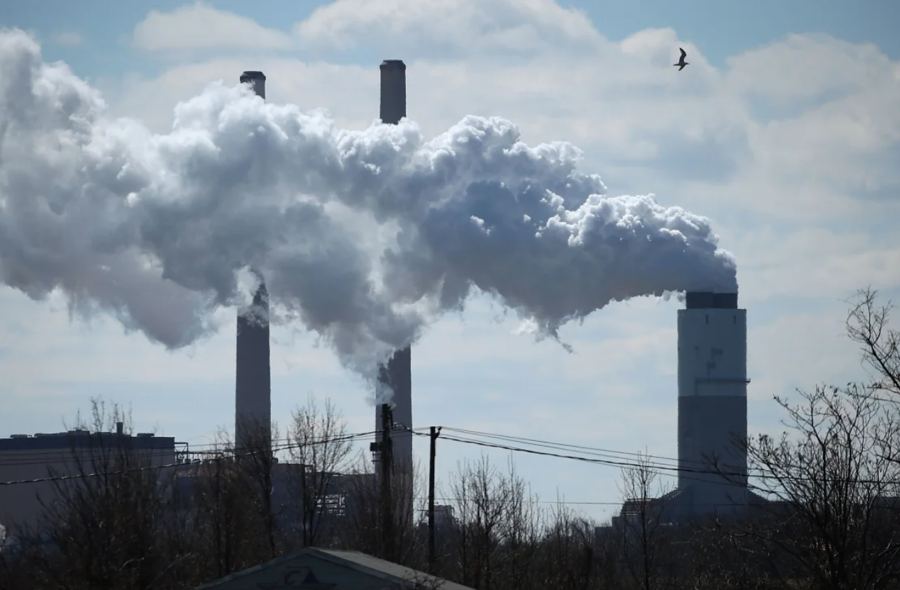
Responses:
[683,53]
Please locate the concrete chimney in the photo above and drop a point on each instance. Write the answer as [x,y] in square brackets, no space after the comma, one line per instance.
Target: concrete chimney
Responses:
[712,401]
[253,392]
[393,91]
[257,81]
[397,374]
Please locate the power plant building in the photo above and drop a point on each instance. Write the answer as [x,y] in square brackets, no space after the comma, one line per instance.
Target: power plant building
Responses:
[38,458]
[712,401]
[712,413]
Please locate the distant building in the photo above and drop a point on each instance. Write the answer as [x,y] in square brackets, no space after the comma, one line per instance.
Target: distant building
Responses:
[24,458]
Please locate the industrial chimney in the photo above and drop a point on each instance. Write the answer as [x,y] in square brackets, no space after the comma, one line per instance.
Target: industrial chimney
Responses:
[397,374]
[253,395]
[712,402]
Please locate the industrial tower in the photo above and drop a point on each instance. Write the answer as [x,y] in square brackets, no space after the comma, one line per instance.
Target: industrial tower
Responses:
[253,392]
[712,402]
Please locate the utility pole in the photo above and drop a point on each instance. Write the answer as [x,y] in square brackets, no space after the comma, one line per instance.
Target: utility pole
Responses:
[435,432]
[387,424]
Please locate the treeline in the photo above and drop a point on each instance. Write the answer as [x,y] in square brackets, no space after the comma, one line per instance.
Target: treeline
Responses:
[833,522]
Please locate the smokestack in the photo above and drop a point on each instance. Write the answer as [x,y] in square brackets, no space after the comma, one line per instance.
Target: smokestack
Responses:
[712,400]
[253,393]
[393,91]
[397,374]
[257,81]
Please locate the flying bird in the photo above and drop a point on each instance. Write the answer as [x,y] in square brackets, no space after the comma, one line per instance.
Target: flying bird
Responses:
[681,63]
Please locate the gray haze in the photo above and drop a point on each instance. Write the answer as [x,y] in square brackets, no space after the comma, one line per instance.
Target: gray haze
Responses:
[363,236]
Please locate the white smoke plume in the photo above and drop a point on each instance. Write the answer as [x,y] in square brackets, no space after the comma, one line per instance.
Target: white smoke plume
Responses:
[363,236]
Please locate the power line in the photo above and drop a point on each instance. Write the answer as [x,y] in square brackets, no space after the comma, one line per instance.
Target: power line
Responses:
[625,464]
[549,444]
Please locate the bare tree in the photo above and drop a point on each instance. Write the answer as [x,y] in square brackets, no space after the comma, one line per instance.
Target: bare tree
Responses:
[319,451]
[257,464]
[362,526]
[833,519]
[491,511]
[222,519]
[868,324]
[569,555]
[106,512]
[642,530]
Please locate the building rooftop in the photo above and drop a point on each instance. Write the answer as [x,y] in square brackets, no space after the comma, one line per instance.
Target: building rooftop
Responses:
[81,439]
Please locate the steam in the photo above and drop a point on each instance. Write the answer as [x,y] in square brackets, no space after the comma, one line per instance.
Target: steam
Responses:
[364,237]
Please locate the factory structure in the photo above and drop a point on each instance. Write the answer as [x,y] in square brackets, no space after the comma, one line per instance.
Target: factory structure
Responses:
[712,414]
[34,459]
[253,377]
[712,394]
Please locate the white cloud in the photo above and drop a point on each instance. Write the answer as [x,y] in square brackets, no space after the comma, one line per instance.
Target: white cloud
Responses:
[200,26]
[450,27]
[812,67]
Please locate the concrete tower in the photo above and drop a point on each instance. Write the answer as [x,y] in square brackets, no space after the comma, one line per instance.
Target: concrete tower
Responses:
[712,400]
[397,374]
[253,393]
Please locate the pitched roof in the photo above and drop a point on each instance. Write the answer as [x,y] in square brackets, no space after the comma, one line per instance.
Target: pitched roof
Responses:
[355,560]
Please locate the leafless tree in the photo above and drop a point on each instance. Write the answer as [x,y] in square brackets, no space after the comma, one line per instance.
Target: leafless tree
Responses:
[492,511]
[833,520]
[642,530]
[868,325]
[362,526]
[319,451]
[569,556]
[834,476]
[106,512]
[256,462]
[222,525]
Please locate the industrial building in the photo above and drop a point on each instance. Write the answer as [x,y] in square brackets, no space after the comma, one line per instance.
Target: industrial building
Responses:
[712,414]
[39,457]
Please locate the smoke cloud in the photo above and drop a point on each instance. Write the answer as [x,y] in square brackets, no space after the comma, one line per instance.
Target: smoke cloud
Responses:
[363,236]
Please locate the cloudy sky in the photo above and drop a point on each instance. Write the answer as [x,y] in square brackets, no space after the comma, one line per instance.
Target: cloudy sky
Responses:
[784,131]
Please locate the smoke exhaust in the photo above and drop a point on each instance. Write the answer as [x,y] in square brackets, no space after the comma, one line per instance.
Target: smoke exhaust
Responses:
[253,392]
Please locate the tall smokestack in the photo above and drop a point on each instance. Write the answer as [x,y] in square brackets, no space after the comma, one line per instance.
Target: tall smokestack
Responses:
[393,91]
[397,374]
[253,393]
[712,401]
[257,81]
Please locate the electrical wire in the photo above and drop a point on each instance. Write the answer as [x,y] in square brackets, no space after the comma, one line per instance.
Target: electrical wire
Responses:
[625,464]
[560,446]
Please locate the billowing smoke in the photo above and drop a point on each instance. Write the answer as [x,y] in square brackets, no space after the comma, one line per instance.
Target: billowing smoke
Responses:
[363,236]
